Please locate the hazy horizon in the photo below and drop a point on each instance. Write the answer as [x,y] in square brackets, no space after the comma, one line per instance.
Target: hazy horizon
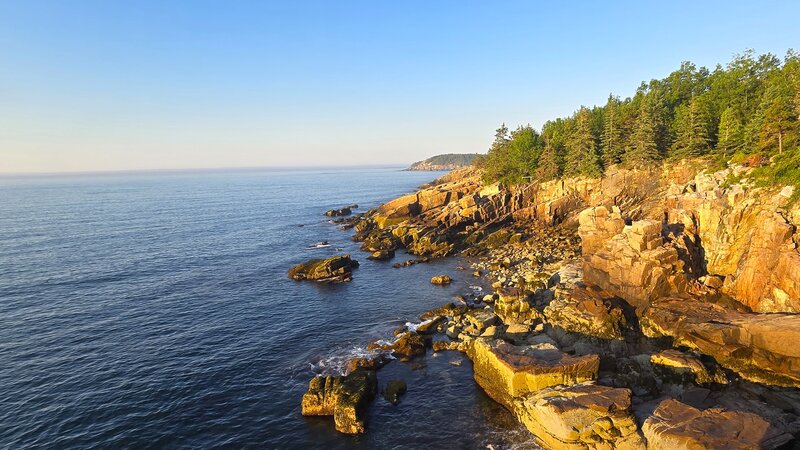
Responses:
[95,86]
[169,170]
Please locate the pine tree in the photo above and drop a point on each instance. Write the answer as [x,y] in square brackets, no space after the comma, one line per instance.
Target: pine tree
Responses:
[501,137]
[730,133]
[611,142]
[582,157]
[777,107]
[643,149]
[548,167]
[691,124]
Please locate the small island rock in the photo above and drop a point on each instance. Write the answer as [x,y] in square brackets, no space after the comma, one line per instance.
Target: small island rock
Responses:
[334,269]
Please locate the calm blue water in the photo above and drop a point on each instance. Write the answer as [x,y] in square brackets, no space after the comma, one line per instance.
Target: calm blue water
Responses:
[154,311]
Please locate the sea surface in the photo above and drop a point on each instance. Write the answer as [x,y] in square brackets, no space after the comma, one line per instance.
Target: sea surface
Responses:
[153,310]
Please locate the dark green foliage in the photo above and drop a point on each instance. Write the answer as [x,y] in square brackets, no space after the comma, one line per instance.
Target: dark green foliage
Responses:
[751,105]
[692,128]
[777,110]
[512,157]
[643,144]
[582,157]
[611,141]
[548,166]
[730,134]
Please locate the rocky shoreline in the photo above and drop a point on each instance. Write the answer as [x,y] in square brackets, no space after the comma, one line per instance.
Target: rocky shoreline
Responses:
[648,309]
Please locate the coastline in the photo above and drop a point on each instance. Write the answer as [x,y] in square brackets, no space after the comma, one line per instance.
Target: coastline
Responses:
[579,342]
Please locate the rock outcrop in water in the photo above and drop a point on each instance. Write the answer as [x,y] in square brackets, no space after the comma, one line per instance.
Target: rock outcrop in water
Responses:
[343,397]
[332,270]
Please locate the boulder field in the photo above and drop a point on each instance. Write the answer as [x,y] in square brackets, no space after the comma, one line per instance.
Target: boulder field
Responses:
[650,309]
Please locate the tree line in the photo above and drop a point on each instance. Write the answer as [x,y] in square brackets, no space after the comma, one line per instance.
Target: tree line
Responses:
[750,106]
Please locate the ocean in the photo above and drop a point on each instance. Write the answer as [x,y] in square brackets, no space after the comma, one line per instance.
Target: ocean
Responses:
[153,310]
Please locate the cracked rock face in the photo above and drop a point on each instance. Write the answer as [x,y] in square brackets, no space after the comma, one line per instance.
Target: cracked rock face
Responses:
[676,426]
[636,263]
[585,416]
[748,237]
[760,347]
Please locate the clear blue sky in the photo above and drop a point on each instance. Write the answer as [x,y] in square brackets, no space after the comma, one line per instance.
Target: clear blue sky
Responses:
[114,85]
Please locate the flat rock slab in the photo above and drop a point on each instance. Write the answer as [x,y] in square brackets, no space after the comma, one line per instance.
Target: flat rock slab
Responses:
[580,417]
[677,426]
[508,371]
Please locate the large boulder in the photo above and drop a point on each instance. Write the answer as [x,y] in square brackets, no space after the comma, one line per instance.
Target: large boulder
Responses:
[514,306]
[760,347]
[332,270]
[508,371]
[585,416]
[407,345]
[677,426]
[343,397]
[441,279]
[586,311]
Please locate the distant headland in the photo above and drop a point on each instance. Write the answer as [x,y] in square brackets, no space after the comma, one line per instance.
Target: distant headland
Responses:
[449,161]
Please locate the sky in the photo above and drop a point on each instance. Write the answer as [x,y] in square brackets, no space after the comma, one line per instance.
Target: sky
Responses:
[140,85]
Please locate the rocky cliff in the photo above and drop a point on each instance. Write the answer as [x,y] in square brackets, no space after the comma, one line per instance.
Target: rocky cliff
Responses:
[648,309]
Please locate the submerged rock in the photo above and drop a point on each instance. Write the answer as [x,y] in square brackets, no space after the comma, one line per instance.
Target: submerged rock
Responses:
[381,255]
[394,390]
[371,362]
[343,397]
[508,371]
[675,426]
[449,309]
[585,416]
[346,211]
[334,269]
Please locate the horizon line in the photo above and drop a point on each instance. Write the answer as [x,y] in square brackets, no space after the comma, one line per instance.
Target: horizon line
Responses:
[204,169]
